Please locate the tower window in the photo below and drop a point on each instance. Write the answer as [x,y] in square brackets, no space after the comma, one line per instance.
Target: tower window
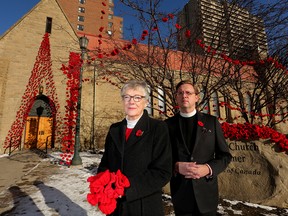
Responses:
[81,18]
[80,27]
[81,10]
[48,25]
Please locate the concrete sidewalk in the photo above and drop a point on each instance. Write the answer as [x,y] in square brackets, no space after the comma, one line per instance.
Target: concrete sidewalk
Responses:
[15,166]
[19,169]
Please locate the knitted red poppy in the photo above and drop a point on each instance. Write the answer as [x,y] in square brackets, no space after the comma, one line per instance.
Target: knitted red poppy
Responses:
[139,133]
[105,188]
[200,123]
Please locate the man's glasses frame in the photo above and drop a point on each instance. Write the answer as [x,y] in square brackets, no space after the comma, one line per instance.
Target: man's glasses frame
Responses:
[181,93]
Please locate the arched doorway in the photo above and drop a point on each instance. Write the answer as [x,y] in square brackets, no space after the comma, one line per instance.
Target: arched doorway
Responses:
[39,128]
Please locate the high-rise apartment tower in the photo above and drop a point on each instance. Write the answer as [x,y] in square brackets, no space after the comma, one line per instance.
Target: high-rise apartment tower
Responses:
[225,27]
[89,16]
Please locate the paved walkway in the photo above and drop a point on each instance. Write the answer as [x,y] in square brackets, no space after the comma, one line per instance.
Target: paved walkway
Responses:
[19,169]
[14,167]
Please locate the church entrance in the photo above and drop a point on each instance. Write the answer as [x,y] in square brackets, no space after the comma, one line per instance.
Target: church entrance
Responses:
[39,131]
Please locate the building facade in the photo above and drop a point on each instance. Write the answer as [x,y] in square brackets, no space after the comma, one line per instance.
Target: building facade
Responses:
[93,17]
[224,27]
[19,52]
[100,102]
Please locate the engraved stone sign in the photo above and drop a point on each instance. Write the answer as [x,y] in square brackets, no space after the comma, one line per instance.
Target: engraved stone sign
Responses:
[257,173]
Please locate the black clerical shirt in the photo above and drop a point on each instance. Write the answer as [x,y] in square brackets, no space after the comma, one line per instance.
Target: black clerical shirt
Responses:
[189,127]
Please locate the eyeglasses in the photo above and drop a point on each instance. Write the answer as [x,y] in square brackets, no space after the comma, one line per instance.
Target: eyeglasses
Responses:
[136,98]
[185,92]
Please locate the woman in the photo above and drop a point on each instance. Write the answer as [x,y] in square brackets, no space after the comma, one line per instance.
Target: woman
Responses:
[139,146]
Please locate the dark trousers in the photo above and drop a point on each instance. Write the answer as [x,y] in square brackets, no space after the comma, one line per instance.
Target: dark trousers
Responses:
[191,214]
[196,214]
[186,204]
[193,211]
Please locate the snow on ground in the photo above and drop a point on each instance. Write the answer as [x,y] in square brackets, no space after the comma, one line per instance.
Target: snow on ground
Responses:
[65,193]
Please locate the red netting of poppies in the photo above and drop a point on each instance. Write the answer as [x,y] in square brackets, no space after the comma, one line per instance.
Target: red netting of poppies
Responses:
[41,74]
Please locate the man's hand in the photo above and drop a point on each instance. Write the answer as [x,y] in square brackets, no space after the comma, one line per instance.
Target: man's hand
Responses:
[192,170]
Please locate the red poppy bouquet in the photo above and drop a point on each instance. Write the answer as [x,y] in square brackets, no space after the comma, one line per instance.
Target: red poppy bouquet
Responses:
[105,188]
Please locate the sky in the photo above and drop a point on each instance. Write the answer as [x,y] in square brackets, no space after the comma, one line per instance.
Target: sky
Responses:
[13,10]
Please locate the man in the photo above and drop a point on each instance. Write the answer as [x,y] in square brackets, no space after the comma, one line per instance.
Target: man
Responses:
[200,153]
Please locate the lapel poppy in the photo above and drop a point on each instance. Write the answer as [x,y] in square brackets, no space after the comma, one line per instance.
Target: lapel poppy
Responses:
[139,133]
[200,123]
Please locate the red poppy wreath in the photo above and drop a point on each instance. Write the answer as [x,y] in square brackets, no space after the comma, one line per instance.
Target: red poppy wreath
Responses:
[105,188]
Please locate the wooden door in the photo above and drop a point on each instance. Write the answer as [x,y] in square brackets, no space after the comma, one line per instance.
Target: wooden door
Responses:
[38,132]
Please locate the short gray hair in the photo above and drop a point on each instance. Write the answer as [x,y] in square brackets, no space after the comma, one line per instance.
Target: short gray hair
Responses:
[136,84]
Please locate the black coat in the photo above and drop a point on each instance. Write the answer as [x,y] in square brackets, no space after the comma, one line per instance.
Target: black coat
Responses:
[210,147]
[146,160]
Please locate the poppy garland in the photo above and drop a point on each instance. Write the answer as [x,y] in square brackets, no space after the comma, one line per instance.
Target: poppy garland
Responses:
[105,188]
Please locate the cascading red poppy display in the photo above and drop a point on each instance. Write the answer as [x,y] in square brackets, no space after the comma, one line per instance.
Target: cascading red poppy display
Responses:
[41,74]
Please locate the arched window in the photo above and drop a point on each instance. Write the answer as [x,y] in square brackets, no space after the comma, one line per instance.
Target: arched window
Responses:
[215,105]
[161,100]
[248,104]
[204,103]
[149,106]
[228,110]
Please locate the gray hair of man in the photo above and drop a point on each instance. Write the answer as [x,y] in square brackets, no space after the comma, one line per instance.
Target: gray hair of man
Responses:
[136,85]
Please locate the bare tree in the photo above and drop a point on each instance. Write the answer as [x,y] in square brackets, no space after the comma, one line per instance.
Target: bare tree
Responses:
[251,82]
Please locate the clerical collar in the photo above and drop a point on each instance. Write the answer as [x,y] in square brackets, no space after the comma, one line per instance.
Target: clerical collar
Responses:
[188,115]
[132,123]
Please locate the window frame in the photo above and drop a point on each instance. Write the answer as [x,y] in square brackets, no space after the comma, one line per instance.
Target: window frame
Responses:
[81,9]
[81,18]
[80,27]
